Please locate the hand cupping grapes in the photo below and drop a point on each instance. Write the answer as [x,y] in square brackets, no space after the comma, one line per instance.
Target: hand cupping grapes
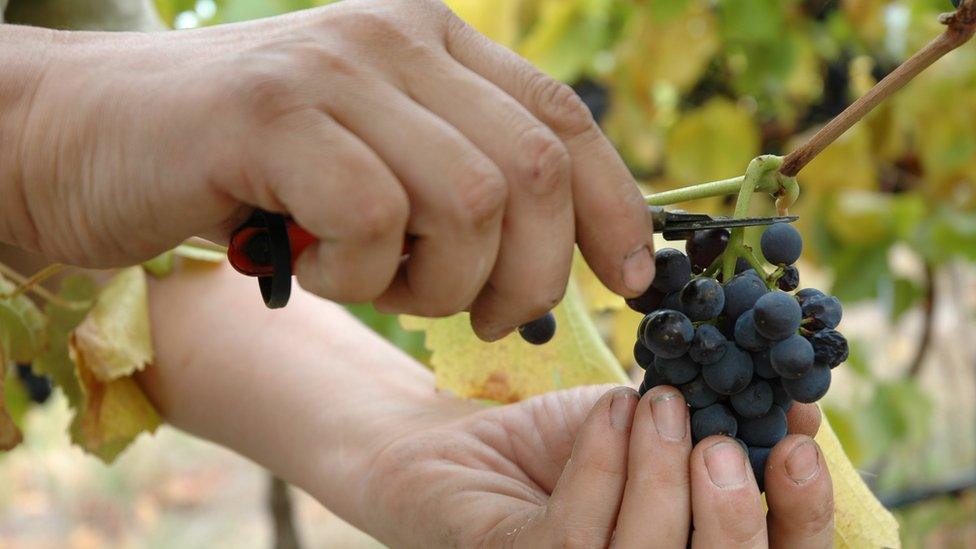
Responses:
[740,352]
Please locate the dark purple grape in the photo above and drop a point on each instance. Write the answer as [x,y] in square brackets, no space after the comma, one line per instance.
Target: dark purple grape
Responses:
[822,312]
[790,279]
[540,331]
[792,357]
[651,380]
[698,394]
[704,247]
[781,244]
[764,368]
[712,420]
[746,335]
[708,345]
[648,302]
[668,333]
[731,374]
[673,301]
[676,371]
[741,293]
[777,316]
[807,294]
[702,299]
[764,431]
[811,386]
[753,401]
[38,387]
[780,397]
[642,355]
[673,270]
[742,265]
[829,347]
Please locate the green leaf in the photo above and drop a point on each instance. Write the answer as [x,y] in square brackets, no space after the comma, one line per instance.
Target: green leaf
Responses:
[568,34]
[948,234]
[22,326]
[715,141]
[905,295]
[55,361]
[161,265]
[859,272]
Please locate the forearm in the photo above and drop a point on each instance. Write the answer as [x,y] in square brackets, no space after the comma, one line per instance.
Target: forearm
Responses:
[306,391]
[24,53]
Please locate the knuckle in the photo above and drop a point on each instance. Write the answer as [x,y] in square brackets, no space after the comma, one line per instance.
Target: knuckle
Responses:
[482,191]
[561,108]
[379,215]
[261,89]
[545,165]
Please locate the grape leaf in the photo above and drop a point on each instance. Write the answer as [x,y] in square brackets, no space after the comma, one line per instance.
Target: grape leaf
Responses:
[859,518]
[566,37]
[712,142]
[511,369]
[55,361]
[113,414]
[500,22]
[10,435]
[161,265]
[22,326]
[114,339]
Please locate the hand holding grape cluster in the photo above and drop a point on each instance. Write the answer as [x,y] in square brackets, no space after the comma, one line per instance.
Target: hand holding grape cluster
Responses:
[741,352]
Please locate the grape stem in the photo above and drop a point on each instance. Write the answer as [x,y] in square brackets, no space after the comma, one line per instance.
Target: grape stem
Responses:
[695,192]
[32,284]
[755,173]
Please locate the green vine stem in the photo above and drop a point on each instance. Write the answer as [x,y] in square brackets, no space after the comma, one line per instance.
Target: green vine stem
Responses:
[695,192]
[31,284]
[756,173]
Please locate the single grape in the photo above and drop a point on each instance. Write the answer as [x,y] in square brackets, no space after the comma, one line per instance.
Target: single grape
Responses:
[648,302]
[676,371]
[741,293]
[642,355]
[672,301]
[751,272]
[668,333]
[753,401]
[758,456]
[38,386]
[780,397]
[811,386]
[712,420]
[764,431]
[807,294]
[708,345]
[651,380]
[731,374]
[702,298]
[792,357]
[746,335]
[822,312]
[642,325]
[698,394]
[829,347]
[790,279]
[673,270]
[764,368]
[704,247]
[781,244]
[777,316]
[540,330]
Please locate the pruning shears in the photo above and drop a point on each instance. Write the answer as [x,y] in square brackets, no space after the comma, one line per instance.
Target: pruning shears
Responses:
[267,245]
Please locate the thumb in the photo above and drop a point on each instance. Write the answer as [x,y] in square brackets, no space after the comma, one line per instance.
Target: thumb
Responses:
[582,510]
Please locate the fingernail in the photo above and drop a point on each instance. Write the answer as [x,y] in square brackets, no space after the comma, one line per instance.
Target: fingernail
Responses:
[803,463]
[638,270]
[669,416]
[621,413]
[726,464]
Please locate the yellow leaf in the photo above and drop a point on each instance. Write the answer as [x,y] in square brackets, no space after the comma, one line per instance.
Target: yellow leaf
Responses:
[624,334]
[511,369]
[846,164]
[113,413]
[22,326]
[10,435]
[715,141]
[497,20]
[114,339]
[859,518]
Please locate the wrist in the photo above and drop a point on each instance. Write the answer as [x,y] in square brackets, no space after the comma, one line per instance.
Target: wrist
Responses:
[25,55]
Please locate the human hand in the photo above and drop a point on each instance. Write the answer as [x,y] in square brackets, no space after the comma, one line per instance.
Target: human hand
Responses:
[559,471]
[367,120]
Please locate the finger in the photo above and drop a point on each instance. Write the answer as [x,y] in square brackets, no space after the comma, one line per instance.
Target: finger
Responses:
[657,497]
[533,264]
[312,162]
[800,495]
[613,227]
[456,193]
[804,419]
[583,507]
[725,502]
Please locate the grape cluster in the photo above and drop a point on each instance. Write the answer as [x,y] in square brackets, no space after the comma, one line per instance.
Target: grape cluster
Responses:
[740,352]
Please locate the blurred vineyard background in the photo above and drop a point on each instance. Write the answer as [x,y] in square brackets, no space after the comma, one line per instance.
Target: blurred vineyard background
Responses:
[689,91]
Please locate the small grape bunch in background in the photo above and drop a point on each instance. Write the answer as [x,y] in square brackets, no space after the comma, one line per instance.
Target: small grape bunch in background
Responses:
[742,351]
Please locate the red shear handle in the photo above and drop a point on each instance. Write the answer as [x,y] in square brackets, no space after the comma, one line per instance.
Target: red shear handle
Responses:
[250,253]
